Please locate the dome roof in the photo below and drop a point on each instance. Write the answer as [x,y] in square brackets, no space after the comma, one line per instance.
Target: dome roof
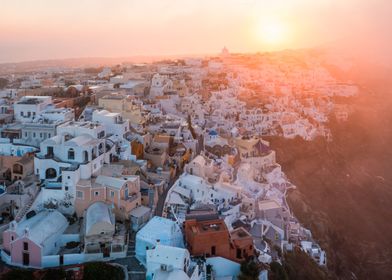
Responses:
[98,214]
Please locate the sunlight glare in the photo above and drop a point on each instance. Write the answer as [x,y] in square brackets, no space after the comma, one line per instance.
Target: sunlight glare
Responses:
[272,32]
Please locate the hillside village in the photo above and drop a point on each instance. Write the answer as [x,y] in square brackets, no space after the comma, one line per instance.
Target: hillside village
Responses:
[162,168]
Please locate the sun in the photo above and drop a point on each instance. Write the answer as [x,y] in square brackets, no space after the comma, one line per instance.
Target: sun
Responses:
[271,32]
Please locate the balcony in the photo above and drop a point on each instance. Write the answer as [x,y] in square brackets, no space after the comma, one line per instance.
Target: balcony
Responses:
[46,156]
[131,197]
[53,185]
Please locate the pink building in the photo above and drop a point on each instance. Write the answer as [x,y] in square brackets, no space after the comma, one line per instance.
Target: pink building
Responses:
[123,192]
[27,242]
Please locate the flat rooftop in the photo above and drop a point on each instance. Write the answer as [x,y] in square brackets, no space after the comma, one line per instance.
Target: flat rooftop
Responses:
[209,226]
[269,205]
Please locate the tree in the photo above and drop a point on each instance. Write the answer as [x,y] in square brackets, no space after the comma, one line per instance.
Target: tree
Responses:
[102,271]
[3,83]
[93,70]
[54,274]
[190,127]
[237,117]
[18,274]
[278,272]
[300,266]
[250,270]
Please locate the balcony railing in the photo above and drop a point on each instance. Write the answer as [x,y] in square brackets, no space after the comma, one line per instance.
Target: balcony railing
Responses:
[131,197]
[53,185]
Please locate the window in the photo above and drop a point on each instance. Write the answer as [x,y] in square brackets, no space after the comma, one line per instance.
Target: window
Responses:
[96,193]
[126,193]
[40,135]
[25,246]
[66,188]
[12,238]
[79,194]
[213,250]
[25,134]
[239,254]
[71,154]
[111,193]
[34,134]
[68,177]
[49,135]
[101,134]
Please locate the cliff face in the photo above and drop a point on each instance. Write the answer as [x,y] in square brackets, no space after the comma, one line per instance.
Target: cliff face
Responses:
[344,188]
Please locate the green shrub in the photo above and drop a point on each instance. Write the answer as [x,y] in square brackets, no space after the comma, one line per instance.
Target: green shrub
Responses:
[54,274]
[249,271]
[18,274]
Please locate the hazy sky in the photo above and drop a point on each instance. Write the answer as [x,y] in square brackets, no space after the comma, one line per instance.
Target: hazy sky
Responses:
[45,29]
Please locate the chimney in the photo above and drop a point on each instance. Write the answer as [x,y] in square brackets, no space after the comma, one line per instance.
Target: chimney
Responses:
[13,225]
[26,232]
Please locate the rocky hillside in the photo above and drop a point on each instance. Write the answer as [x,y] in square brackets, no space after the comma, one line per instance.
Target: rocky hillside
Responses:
[344,187]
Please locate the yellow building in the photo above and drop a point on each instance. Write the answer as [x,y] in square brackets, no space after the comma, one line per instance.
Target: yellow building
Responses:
[119,103]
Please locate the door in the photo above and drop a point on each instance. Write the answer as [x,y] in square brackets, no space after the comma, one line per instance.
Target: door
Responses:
[50,151]
[213,250]
[106,252]
[26,259]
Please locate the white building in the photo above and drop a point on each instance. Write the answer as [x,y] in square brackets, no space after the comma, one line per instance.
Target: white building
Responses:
[78,151]
[166,258]
[161,230]
[28,108]
[116,129]
[44,126]
[31,83]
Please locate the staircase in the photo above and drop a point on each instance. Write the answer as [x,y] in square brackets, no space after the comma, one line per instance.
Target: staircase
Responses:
[131,245]
[181,213]
[22,212]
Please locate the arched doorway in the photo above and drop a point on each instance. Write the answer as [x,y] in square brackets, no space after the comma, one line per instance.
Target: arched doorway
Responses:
[50,173]
[17,168]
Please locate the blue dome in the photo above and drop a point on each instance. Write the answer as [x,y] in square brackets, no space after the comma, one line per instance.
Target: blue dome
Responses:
[213,133]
